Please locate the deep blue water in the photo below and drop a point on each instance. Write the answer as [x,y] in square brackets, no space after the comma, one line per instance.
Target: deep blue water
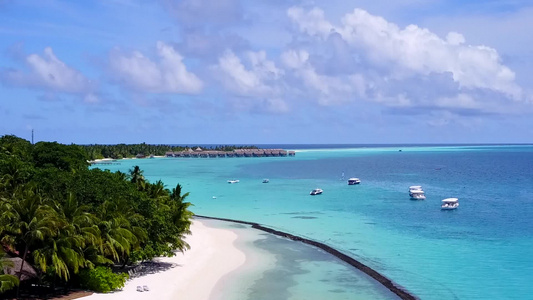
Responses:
[482,250]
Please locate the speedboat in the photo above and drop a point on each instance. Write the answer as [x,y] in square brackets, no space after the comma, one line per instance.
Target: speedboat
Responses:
[353,181]
[417,195]
[266,181]
[449,203]
[316,192]
[233,181]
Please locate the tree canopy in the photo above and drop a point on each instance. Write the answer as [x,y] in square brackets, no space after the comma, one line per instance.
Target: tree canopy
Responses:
[63,218]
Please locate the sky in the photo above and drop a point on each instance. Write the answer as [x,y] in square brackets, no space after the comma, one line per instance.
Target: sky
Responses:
[267,71]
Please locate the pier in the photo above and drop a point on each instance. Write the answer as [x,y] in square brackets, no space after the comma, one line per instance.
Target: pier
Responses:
[235,153]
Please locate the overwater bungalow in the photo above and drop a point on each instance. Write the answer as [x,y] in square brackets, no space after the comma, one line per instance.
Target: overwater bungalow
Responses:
[199,152]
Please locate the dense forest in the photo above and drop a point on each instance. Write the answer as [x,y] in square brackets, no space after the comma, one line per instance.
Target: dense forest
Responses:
[65,225]
[131,150]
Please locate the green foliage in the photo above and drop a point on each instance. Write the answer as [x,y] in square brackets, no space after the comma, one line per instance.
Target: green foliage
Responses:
[63,218]
[12,145]
[102,279]
[7,282]
[131,150]
[62,157]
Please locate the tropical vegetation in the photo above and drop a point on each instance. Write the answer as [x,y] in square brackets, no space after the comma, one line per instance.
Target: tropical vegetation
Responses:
[64,219]
[132,150]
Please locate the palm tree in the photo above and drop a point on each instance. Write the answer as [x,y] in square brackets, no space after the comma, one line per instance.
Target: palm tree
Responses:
[181,217]
[117,239]
[118,235]
[27,219]
[65,252]
[136,176]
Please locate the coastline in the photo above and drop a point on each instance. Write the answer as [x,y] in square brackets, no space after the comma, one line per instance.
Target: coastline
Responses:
[218,266]
[393,287]
[189,275]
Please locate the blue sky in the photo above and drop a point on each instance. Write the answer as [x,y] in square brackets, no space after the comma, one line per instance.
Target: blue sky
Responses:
[267,71]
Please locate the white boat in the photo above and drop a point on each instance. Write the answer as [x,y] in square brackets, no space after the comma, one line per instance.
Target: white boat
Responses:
[233,181]
[417,195]
[353,181]
[266,181]
[450,203]
[415,188]
[316,192]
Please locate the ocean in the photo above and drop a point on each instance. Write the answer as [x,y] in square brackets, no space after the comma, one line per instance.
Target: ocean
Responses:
[482,250]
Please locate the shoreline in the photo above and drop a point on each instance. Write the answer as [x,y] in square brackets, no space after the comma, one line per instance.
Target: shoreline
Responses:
[201,272]
[193,274]
[375,275]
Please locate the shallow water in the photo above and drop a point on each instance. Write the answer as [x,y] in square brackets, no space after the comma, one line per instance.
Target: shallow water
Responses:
[479,251]
[284,269]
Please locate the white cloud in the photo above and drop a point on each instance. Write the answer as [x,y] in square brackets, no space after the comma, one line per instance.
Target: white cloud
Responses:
[50,73]
[412,50]
[255,77]
[166,75]
[260,79]
[327,89]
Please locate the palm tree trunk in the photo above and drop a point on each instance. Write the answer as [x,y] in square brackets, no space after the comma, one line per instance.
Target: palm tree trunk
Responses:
[22,266]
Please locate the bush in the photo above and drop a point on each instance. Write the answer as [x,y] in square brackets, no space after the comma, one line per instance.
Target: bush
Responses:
[102,279]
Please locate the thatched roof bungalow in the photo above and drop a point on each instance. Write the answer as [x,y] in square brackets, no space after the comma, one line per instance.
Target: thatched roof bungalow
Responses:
[12,267]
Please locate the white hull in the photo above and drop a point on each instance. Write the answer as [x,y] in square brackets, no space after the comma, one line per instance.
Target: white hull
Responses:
[449,207]
[316,192]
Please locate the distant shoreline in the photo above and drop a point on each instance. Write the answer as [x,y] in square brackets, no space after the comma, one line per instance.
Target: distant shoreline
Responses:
[386,282]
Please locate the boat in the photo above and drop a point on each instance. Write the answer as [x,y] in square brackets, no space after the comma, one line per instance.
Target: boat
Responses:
[417,195]
[353,181]
[316,192]
[415,188]
[266,181]
[233,181]
[450,203]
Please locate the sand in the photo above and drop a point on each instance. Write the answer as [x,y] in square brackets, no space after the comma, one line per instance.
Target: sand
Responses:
[193,274]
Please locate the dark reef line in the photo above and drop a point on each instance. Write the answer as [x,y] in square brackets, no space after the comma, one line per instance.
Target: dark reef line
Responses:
[389,284]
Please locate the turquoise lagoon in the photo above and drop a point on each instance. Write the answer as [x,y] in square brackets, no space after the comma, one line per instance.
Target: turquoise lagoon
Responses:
[482,250]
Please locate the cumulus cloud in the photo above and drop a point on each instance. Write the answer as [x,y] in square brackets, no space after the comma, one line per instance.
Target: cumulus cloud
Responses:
[49,73]
[168,74]
[256,77]
[384,47]
[329,89]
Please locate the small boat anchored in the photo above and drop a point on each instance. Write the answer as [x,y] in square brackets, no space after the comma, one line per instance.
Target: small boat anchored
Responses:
[417,195]
[233,181]
[353,181]
[449,203]
[266,180]
[316,192]
[416,192]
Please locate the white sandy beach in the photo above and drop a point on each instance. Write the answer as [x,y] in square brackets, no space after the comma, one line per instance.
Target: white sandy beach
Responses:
[196,272]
